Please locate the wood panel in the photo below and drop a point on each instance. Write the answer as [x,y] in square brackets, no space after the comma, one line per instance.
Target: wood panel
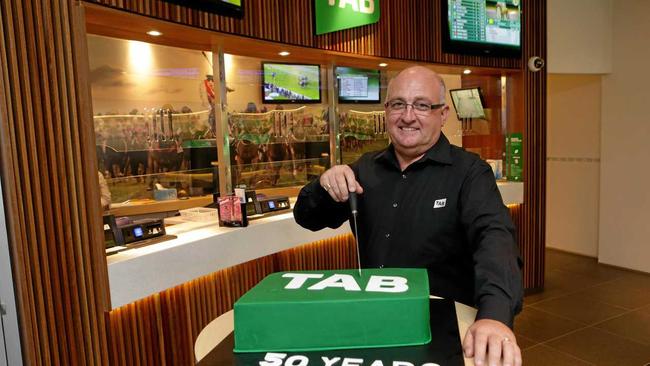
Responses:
[161,329]
[50,184]
[407,29]
[533,211]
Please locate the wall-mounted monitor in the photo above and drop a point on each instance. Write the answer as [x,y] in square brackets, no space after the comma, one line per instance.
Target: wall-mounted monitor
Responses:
[482,27]
[358,85]
[231,8]
[468,103]
[290,83]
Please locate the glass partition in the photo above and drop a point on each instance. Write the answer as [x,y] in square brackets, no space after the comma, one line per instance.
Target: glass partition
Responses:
[153,120]
[277,138]
[156,126]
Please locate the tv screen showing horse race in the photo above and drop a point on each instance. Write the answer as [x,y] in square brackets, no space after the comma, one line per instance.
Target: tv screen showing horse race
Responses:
[291,83]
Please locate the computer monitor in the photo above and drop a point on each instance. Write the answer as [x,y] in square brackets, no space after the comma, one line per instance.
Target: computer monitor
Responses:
[468,103]
[290,83]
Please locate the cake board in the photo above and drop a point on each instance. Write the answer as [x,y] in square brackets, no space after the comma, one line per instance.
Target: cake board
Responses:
[444,349]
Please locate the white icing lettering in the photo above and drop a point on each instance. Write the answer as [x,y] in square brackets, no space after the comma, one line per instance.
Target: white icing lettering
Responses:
[330,362]
[402,363]
[347,282]
[296,361]
[273,359]
[377,363]
[387,284]
[430,364]
[299,279]
[352,362]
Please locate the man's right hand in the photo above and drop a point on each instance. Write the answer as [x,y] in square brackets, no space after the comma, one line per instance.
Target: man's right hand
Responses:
[338,181]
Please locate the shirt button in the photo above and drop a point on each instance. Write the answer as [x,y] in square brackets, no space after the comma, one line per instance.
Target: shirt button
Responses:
[387,235]
[395,204]
[404,176]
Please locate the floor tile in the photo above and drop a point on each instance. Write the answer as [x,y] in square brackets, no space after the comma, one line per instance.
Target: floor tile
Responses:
[541,355]
[646,309]
[634,325]
[619,293]
[540,326]
[559,260]
[559,282]
[636,280]
[602,348]
[583,265]
[524,342]
[580,308]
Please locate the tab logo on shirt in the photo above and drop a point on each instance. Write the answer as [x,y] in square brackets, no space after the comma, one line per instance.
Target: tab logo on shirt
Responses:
[440,203]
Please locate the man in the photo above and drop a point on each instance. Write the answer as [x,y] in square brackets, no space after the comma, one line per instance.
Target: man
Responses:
[426,203]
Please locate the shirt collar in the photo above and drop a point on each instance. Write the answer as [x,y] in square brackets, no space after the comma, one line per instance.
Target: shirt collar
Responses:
[440,152]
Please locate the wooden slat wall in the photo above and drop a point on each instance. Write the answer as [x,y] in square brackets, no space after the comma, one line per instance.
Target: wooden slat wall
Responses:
[161,329]
[50,184]
[407,29]
[533,211]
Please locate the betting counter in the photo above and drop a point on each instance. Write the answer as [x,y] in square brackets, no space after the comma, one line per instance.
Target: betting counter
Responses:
[201,248]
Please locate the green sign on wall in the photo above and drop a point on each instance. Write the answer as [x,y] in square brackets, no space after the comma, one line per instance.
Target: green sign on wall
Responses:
[515,156]
[334,15]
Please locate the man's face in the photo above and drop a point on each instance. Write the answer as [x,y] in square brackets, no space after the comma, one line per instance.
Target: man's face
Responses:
[413,132]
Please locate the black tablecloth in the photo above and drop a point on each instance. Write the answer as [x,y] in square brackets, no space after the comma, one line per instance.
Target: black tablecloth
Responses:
[444,348]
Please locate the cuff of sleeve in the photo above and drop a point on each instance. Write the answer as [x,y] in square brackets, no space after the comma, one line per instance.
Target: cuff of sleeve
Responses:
[492,307]
[319,190]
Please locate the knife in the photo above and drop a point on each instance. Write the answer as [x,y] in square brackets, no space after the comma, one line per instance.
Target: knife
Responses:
[352,199]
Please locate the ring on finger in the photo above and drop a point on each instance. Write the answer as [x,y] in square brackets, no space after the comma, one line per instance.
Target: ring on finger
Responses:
[328,187]
[505,340]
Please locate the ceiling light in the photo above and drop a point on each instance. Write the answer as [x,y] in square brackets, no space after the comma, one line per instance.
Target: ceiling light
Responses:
[154,33]
[383,64]
[284,53]
[467,71]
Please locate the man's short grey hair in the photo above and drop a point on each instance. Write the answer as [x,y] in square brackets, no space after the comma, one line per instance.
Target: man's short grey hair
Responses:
[443,90]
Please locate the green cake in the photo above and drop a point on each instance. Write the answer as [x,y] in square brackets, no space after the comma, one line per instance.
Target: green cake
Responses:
[323,310]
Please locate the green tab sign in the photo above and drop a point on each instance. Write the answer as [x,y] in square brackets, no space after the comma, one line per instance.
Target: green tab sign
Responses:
[334,15]
[514,156]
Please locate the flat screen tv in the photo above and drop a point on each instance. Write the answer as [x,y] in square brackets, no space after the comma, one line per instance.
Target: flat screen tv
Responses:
[468,103]
[290,83]
[358,85]
[482,27]
[231,8]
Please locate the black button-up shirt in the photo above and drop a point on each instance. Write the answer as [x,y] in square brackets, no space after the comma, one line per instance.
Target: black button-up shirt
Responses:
[444,212]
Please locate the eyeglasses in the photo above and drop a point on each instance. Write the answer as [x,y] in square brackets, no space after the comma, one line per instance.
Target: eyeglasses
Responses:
[419,107]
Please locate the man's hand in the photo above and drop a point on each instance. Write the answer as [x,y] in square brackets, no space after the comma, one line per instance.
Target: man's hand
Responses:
[491,343]
[338,181]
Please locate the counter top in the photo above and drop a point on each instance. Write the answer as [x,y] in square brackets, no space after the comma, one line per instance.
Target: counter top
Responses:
[202,248]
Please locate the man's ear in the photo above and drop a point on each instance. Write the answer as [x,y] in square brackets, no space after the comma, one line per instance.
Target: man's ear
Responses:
[444,113]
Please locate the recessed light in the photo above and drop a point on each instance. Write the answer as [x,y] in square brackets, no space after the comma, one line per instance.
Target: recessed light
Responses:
[284,53]
[383,64]
[467,71]
[154,33]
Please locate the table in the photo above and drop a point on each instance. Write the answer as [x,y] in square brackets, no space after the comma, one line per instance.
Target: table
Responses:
[218,329]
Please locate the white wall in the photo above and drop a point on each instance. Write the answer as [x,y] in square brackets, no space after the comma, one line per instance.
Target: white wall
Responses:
[9,334]
[573,163]
[579,36]
[625,142]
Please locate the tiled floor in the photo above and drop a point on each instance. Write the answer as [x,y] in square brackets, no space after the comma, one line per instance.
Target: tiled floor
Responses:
[588,314]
